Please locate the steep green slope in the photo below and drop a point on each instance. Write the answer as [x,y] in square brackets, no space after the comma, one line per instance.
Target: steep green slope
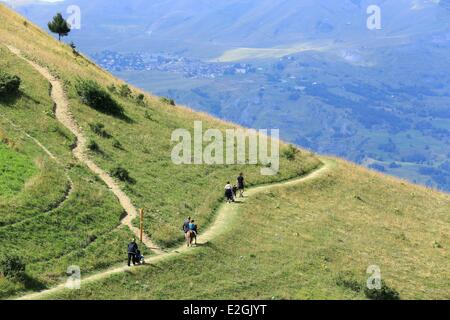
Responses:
[144,136]
[59,214]
[64,215]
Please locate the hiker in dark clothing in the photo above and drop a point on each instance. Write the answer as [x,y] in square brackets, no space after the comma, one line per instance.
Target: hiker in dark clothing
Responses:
[229,192]
[241,186]
[186,222]
[235,190]
[132,251]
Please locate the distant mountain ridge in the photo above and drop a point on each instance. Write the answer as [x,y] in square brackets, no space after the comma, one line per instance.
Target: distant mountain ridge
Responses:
[217,26]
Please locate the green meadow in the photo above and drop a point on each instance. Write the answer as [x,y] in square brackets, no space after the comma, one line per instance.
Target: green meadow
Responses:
[15,169]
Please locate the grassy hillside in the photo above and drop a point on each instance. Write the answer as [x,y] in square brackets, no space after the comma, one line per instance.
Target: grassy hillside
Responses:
[15,169]
[311,241]
[144,137]
[56,213]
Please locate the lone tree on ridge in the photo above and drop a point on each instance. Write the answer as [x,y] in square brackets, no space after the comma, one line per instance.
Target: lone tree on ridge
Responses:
[59,25]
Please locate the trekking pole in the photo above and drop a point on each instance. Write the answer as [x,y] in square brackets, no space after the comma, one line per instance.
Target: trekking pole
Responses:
[141,214]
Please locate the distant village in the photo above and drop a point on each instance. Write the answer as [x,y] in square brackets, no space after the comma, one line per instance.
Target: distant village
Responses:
[190,68]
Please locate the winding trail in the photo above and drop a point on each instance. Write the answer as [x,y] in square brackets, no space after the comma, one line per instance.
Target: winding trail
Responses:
[222,223]
[64,116]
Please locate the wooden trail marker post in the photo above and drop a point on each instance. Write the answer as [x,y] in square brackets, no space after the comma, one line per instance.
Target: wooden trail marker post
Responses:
[141,215]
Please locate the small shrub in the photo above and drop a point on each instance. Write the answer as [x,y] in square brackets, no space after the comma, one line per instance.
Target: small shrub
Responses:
[140,99]
[121,174]
[289,152]
[347,281]
[5,139]
[99,129]
[437,245]
[385,293]
[147,115]
[93,146]
[93,95]
[116,144]
[168,101]
[90,239]
[12,266]
[9,84]
[112,88]
[74,49]
[124,90]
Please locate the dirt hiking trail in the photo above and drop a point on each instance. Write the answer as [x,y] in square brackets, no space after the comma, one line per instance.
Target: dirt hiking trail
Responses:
[222,222]
[64,116]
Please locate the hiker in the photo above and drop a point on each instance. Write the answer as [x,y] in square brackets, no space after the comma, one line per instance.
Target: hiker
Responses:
[132,251]
[229,192]
[193,228]
[185,227]
[241,186]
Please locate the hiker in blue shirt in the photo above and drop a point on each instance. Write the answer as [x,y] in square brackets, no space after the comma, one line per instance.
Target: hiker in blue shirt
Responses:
[193,228]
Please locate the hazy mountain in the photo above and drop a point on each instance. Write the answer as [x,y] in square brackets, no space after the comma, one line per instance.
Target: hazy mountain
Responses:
[208,27]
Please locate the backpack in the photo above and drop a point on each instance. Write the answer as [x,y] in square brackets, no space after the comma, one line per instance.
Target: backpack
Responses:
[132,248]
